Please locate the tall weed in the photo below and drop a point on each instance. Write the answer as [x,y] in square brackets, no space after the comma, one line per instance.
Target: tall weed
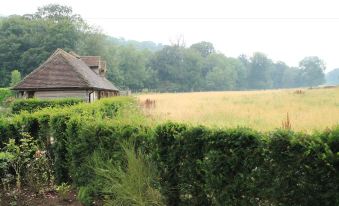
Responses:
[131,183]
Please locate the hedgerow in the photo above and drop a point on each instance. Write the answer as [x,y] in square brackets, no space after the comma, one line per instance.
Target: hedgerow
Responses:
[196,165]
[32,105]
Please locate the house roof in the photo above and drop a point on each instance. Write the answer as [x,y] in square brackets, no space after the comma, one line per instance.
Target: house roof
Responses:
[64,70]
[91,60]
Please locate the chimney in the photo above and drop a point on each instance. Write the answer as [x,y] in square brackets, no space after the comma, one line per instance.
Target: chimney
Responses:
[102,68]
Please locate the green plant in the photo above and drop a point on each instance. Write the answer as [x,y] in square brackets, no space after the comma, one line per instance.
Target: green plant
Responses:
[38,174]
[4,94]
[5,175]
[15,77]
[132,183]
[63,190]
[85,195]
[22,154]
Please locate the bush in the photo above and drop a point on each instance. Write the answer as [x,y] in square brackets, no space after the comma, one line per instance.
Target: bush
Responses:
[233,160]
[244,167]
[4,94]
[32,105]
[133,183]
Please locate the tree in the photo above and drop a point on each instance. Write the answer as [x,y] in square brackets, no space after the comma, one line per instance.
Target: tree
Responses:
[133,68]
[312,71]
[15,77]
[56,13]
[260,72]
[204,48]
[278,71]
[26,41]
[177,69]
[291,78]
[332,77]
[222,76]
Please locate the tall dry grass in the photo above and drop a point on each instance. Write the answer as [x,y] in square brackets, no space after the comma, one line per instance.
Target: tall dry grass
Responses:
[311,109]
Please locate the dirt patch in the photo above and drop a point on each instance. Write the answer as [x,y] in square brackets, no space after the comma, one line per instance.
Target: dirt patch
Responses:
[27,198]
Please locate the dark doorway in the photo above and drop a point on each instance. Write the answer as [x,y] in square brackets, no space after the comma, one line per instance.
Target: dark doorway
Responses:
[30,94]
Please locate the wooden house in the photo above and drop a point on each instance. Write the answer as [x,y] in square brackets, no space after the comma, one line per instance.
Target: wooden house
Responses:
[66,74]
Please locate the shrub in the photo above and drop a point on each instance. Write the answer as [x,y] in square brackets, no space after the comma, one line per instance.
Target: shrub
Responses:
[58,124]
[21,156]
[5,176]
[63,190]
[132,183]
[32,105]
[38,174]
[4,94]
[301,170]
[233,159]
[85,195]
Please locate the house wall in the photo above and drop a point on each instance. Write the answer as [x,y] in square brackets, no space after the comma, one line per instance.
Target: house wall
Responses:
[82,94]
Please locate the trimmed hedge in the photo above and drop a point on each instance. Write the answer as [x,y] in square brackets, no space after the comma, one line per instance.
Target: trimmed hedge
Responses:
[197,165]
[32,105]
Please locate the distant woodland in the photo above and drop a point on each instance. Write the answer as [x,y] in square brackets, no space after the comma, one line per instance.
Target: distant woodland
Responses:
[26,41]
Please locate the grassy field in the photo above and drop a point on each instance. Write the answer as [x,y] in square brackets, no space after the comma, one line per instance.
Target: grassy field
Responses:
[312,109]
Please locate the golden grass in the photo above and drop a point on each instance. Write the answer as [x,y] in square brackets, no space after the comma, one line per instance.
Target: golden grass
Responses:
[314,109]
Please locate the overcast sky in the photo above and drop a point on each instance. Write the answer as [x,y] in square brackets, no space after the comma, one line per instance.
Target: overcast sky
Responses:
[286,30]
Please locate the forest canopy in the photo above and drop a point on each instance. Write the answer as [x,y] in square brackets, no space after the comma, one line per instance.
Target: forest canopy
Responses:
[28,40]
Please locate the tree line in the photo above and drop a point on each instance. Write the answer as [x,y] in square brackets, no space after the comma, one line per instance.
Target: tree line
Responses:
[28,40]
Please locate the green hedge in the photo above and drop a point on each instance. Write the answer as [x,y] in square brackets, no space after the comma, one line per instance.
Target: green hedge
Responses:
[32,105]
[201,166]
[197,165]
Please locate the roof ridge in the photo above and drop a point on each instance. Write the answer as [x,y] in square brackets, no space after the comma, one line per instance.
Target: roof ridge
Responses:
[79,73]
[90,56]
[74,54]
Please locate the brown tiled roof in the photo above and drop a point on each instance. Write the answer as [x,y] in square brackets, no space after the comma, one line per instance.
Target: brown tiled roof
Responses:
[91,60]
[64,70]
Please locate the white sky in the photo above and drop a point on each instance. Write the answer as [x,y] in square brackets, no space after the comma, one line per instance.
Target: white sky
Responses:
[286,30]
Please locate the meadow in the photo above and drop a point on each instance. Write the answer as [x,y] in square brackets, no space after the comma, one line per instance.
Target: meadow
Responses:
[308,109]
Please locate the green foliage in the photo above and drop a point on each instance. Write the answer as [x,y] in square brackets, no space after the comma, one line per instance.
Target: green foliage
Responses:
[242,167]
[332,77]
[63,190]
[38,174]
[26,41]
[22,154]
[312,71]
[15,77]
[129,184]
[58,126]
[233,162]
[168,157]
[85,196]
[4,94]
[5,176]
[32,105]
[204,48]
